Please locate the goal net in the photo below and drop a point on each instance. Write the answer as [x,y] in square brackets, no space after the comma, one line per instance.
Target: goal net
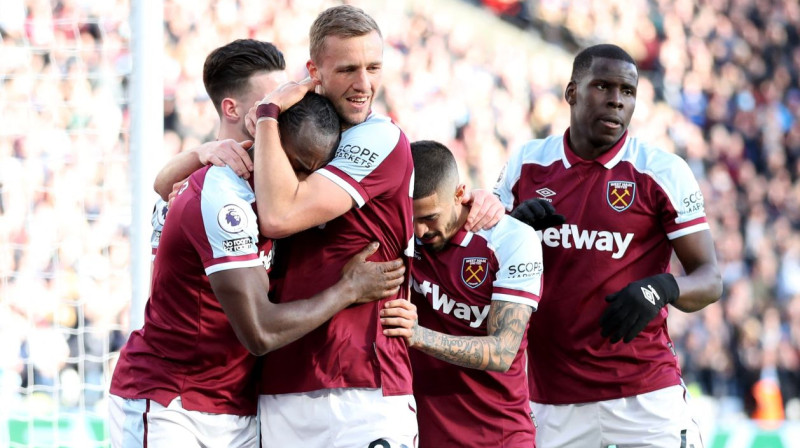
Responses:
[64,217]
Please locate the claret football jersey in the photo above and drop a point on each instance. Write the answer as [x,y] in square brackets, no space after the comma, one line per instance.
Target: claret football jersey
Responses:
[187,346]
[373,165]
[621,210]
[454,290]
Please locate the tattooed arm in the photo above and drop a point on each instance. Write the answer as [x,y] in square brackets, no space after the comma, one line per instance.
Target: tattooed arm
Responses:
[495,351]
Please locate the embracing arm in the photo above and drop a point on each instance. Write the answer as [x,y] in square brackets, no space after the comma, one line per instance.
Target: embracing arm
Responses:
[702,284]
[263,326]
[287,205]
[220,153]
[494,352]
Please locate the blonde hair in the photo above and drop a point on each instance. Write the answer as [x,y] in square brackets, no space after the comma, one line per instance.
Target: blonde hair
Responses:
[340,21]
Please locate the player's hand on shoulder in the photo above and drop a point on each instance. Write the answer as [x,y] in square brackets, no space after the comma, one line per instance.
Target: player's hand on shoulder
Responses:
[176,188]
[634,306]
[538,213]
[485,210]
[373,280]
[228,152]
[399,319]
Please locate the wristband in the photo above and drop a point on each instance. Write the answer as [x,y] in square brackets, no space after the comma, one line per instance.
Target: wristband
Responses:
[268,111]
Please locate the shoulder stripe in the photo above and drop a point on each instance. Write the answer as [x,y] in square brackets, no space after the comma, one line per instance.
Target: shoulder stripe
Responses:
[233,265]
[688,230]
[516,296]
[670,172]
[339,177]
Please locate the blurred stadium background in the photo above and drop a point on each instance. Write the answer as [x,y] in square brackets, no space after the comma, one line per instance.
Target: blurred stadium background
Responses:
[719,86]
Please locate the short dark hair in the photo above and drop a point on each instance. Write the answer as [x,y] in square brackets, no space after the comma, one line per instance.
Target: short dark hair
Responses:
[434,167]
[309,126]
[228,69]
[583,61]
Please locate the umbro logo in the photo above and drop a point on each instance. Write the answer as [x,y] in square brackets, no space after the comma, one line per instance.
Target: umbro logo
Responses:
[650,294]
[545,192]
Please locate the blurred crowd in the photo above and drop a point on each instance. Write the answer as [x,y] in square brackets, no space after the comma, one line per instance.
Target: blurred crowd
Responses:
[719,87]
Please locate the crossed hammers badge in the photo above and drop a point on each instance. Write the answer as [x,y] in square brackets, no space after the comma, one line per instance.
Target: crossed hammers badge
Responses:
[473,271]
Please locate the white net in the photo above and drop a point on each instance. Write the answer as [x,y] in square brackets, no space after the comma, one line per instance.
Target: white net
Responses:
[64,214]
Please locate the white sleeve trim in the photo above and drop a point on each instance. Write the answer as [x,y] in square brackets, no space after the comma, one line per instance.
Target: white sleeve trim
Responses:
[688,230]
[516,299]
[233,265]
[344,185]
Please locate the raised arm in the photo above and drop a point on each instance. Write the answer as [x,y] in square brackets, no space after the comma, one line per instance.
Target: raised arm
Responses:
[286,204]
[263,326]
[219,152]
[495,352]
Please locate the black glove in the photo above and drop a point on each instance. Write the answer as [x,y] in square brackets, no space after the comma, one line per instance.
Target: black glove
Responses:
[633,307]
[538,213]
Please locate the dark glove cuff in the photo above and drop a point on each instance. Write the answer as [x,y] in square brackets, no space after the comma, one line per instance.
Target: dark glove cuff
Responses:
[668,285]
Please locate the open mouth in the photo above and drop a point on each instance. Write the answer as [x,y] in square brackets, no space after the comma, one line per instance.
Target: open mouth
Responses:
[358,101]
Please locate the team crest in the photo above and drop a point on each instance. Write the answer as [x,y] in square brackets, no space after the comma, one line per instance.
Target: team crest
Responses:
[474,270]
[620,194]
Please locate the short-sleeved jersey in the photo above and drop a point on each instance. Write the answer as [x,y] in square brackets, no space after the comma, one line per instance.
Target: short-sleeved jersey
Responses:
[621,210]
[453,290]
[373,165]
[187,346]
[157,220]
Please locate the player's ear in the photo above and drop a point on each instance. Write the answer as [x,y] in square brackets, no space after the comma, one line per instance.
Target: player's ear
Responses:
[569,93]
[313,70]
[228,110]
[461,190]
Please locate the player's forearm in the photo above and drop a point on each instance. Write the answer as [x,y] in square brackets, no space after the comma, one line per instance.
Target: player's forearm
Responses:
[275,181]
[287,322]
[176,169]
[474,352]
[699,289]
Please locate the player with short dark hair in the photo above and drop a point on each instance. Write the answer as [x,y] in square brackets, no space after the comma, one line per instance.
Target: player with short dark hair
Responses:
[228,70]
[602,366]
[474,294]
[235,75]
[188,378]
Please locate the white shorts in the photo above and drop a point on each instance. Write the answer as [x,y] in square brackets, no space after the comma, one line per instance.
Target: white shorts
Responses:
[338,418]
[662,418]
[144,423]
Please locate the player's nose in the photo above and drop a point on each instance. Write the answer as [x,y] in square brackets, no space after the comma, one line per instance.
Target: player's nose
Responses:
[420,229]
[362,83]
